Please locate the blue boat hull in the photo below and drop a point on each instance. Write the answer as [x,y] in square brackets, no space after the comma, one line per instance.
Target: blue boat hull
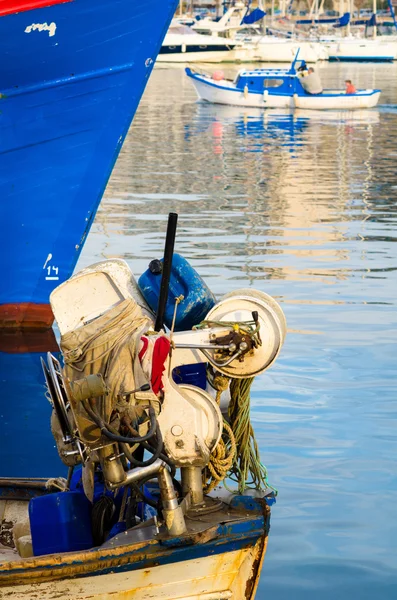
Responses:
[361,59]
[25,412]
[71,79]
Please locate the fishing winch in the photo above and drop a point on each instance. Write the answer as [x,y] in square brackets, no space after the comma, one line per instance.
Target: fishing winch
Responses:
[116,403]
[240,337]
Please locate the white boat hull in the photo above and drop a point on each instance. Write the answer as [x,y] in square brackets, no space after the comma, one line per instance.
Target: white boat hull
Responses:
[364,99]
[212,56]
[219,557]
[361,49]
[214,577]
[219,93]
[279,50]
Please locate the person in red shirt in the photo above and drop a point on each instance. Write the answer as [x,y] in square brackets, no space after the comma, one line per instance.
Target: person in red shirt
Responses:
[350,89]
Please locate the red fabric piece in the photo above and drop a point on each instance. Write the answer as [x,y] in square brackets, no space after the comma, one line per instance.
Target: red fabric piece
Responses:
[142,352]
[160,353]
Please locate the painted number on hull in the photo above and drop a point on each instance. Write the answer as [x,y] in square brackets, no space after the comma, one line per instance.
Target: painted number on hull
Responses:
[52,272]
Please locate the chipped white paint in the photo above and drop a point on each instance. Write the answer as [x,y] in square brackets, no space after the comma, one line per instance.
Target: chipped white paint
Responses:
[51,28]
[214,577]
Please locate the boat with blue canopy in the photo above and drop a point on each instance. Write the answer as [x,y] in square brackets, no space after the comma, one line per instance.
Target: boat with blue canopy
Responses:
[276,88]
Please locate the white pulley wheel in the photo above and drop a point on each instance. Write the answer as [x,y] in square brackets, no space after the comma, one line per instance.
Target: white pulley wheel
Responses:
[211,413]
[238,306]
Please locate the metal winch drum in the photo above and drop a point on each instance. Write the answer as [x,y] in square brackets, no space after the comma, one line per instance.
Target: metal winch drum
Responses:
[238,307]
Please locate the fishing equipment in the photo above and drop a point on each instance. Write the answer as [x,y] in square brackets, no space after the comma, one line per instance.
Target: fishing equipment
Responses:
[129,402]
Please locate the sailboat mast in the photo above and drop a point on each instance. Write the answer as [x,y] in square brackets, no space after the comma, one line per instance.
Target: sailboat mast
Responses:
[374,27]
[341,11]
[350,8]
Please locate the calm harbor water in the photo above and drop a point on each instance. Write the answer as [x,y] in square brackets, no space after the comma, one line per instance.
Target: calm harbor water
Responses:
[301,205]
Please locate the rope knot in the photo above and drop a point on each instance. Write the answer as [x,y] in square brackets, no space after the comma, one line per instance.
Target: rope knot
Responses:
[220,383]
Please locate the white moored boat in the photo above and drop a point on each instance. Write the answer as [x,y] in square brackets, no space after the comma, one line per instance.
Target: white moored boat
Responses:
[182,44]
[361,49]
[276,88]
[269,48]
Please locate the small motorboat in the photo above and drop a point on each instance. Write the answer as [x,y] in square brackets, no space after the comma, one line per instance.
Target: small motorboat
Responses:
[139,397]
[276,88]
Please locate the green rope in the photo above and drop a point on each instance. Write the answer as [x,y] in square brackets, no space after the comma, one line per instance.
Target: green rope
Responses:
[247,469]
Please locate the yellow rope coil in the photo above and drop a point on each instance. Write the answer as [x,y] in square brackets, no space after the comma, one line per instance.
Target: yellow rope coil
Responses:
[222,457]
[221,460]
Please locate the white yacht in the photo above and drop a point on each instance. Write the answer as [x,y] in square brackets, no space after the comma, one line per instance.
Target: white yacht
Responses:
[227,25]
[182,44]
[361,49]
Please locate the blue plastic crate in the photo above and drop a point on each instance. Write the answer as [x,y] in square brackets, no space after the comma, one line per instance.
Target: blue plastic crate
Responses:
[60,523]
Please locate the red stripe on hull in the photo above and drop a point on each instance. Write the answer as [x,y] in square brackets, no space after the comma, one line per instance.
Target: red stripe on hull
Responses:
[26,315]
[10,7]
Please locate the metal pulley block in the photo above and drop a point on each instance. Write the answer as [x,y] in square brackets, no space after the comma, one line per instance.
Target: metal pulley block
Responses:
[242,336]
[190,423]
[259,350]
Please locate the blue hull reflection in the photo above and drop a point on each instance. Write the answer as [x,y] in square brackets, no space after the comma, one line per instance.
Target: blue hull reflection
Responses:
[27,447]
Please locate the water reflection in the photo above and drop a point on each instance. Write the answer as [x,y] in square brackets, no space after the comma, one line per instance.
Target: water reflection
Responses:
[27,448]
[278,191]
[255,123]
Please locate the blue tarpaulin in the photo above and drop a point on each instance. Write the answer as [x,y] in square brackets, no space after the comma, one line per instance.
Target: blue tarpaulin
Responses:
[339,21]
[344,20]
[367,22]
[253,17]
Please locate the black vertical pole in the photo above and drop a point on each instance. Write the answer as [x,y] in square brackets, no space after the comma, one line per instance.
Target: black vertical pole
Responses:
[166,272]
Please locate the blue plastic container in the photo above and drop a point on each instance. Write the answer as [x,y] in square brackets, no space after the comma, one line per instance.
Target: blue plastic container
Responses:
[60,523]
[185,281]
